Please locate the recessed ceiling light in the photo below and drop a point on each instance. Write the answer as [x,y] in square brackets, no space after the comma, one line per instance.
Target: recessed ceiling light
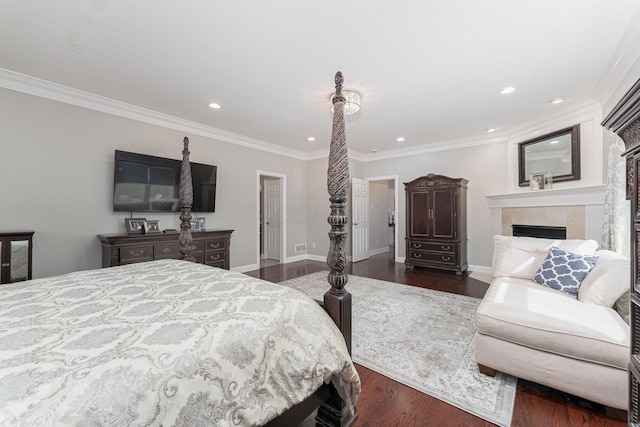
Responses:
[215,106]
[401,139]
[557,100]
[491,130]
[311,139]
[507,90]
[374,150]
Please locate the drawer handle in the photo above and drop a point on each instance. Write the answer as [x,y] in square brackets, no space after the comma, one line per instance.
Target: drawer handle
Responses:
[214,245]
[446,258]
[138,252]
[446,248]
[166,250]
[417,245]
[6,264]
[417,255]
[215,257]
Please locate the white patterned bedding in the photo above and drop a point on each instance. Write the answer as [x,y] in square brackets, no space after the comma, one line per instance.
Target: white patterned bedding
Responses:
[162,343]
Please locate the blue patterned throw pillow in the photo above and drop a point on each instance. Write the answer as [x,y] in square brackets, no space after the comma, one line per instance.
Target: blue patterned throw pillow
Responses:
[564,270]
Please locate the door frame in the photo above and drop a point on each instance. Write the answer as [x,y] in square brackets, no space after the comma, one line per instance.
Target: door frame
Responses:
[395,179]
[353,222]
[283,213]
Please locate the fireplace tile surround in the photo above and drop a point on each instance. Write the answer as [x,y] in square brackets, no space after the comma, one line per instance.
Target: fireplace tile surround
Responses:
[580,210]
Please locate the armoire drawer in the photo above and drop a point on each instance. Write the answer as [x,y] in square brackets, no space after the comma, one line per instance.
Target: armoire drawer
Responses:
[433,246]
[442,258]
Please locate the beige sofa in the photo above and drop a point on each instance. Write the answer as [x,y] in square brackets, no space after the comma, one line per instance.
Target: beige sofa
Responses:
[576,344]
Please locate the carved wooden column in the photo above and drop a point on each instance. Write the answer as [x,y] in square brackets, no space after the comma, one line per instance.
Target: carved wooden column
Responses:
[186,200]
[337,301]
[624,120]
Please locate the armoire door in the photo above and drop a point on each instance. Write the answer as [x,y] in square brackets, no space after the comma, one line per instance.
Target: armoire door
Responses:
[420,225]
[443,214]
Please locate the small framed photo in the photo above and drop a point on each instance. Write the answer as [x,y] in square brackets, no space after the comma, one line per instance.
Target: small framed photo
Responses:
[135,225]
[202,223]
[151,226]
[536,181]
[194,225]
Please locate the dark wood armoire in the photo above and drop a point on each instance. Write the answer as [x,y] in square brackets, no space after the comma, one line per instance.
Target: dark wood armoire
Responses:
[624,120]
[436,220]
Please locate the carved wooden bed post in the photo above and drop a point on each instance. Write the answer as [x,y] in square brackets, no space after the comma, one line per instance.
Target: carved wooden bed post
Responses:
[337,301]
[186,199]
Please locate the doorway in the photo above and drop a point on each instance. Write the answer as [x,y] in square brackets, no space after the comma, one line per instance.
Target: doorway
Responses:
[375,204]
[271,218]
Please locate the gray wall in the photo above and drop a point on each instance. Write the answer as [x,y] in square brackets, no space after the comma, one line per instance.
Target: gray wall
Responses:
[484,166]
[56,177]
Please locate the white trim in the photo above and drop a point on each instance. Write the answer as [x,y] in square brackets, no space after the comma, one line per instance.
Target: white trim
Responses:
[283,212]
[555,197]
[479,268]
[44,89]
[621,62]
[379,251]
[395,179]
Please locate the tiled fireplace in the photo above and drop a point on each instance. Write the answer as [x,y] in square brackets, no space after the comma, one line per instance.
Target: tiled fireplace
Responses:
[580,210]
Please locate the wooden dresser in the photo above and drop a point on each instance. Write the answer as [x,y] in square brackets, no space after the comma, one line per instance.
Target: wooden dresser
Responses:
[436,234]
[211,247]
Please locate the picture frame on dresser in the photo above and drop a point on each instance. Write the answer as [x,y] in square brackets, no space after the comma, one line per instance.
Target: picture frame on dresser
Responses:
[134,225]
[151,226]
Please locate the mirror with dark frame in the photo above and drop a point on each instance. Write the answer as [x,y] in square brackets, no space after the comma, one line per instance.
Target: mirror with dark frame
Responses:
[557,153]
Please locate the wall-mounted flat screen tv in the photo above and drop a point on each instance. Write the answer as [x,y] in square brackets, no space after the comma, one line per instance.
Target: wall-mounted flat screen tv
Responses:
[144,183]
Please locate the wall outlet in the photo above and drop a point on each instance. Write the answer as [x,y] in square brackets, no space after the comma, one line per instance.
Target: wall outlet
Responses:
[313,245]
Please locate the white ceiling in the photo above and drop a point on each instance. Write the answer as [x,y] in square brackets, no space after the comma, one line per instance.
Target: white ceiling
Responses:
[428,71]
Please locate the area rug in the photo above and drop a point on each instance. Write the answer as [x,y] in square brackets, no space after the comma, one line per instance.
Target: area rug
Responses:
[423,339]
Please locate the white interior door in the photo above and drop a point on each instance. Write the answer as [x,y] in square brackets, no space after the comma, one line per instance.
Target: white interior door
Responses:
[272,219]
[360,212]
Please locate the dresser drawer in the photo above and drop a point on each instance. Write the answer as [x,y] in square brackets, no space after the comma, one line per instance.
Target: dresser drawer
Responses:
[215,244]
[433,247]
[442,258]
[167,251]
[172,250]
[214,258]
[136,254]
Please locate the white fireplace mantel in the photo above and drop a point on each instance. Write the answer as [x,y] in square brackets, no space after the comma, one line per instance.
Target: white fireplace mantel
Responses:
[592,198]
[594,195]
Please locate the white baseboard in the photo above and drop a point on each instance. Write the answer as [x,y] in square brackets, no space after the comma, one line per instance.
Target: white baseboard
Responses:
[379,251]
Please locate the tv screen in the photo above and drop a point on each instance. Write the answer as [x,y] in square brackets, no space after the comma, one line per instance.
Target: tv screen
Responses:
[144,183]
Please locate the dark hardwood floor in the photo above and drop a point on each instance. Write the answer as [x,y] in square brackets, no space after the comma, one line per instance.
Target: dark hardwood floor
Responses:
[385,402]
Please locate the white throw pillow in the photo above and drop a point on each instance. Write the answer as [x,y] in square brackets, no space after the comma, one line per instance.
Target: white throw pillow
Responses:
[607,281]
[521,257]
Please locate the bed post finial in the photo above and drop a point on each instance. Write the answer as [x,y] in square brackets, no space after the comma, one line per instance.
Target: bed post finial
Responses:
[338,186]
[186,199]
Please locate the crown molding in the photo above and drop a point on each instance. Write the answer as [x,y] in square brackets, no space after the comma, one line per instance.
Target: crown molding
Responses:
[45,89]
[623,59]
[580,111]
[56,92]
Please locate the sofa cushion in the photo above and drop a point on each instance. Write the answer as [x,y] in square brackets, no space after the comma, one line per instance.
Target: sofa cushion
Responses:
[608,280]
[522,256]
[533,315]
[564,271]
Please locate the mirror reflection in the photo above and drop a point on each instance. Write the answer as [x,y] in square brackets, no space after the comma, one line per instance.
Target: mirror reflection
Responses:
[19,260]
[557,153]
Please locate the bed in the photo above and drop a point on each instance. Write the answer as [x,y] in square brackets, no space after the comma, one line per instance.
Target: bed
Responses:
[173,342]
